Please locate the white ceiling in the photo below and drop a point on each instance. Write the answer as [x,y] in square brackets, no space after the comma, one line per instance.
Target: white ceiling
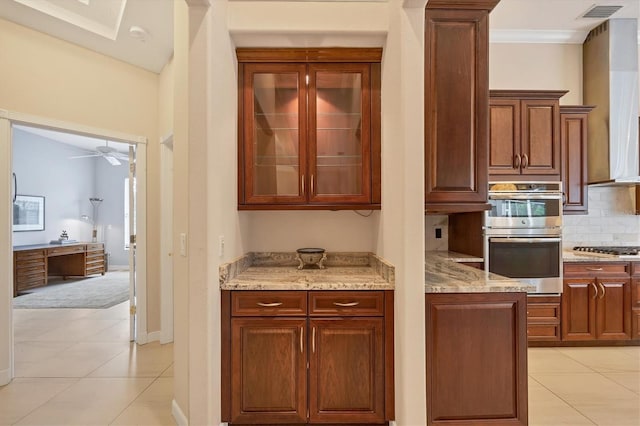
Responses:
[104,26]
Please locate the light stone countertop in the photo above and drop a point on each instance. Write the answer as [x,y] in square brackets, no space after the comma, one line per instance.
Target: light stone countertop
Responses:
[278,271]
[444,275]
[571,256]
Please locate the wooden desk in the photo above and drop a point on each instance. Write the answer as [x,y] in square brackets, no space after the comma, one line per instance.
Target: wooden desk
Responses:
[33,264]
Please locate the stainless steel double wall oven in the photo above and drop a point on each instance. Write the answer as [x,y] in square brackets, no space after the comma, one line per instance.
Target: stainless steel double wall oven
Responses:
[523,233]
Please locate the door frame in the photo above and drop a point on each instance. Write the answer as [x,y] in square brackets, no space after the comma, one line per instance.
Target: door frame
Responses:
[166,239]
[7,120]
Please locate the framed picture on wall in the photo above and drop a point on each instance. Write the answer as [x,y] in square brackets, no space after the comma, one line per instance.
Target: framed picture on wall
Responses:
[28,213]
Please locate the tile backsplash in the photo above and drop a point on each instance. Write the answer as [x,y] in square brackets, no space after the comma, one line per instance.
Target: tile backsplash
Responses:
[611,219]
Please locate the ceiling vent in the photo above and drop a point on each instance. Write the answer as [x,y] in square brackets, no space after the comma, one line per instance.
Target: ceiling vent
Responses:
[601,11]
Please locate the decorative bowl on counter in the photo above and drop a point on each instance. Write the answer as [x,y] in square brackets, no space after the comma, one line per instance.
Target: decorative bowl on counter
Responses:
[311,257]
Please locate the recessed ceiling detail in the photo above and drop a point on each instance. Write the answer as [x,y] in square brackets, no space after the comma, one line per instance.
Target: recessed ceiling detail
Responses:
[99,17]
[601,11]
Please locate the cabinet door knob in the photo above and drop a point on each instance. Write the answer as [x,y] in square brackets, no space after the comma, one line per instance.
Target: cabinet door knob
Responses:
[302,181]
[269,305]
[313,340]
[346,305]
[595,290]
[525,161]
[603,290]
[518,161]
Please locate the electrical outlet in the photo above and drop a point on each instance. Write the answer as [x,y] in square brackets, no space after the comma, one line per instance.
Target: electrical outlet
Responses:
[438,232]
[221,245]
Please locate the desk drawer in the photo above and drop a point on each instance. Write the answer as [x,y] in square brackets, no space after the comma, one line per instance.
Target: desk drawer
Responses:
[30,270]
[346,303]
[268,303]
[29,255]
[59,251]
[95,247]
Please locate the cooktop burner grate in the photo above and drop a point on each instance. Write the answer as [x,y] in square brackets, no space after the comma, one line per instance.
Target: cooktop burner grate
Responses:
[612,250]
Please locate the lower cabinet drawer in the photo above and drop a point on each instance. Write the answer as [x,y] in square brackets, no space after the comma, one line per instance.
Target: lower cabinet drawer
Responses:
[543,332]
[346,303]
[268,303]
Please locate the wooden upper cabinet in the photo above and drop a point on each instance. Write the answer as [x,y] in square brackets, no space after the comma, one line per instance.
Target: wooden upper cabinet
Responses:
[573,136]
[456,106]
[524,135]
[309,129]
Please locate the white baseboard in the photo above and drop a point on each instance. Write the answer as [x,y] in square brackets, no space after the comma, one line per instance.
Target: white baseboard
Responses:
[144,338]
[5,377]
[177,413]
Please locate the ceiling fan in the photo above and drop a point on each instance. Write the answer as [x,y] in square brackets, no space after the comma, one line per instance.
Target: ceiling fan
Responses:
[108,153]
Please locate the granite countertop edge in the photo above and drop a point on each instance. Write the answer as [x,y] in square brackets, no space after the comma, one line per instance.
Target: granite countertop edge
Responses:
[278,271]
[445,274]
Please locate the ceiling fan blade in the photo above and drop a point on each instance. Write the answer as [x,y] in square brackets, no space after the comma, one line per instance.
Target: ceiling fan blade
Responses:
[85,156]
[112,160]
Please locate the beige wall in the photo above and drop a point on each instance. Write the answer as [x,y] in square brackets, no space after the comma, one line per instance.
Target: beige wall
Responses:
[537,66]
[50,78]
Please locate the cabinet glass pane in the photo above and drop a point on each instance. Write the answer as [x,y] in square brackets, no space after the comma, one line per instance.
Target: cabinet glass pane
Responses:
[338,133]
[276,138]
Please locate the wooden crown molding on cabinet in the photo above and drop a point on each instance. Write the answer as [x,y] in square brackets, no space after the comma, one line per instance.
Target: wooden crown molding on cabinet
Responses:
[463,4]
[333,54]
[528,94]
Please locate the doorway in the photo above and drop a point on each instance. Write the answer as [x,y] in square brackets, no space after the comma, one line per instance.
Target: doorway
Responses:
[138,277]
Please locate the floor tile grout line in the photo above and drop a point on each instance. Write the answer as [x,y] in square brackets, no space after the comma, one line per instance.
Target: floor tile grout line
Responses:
[566,402]
[52,396]
[133,401]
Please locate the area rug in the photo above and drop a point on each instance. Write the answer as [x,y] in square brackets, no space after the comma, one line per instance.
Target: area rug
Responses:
[96,292]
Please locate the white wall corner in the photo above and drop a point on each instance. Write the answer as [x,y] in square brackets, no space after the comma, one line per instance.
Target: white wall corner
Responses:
[178,414]
[5,377]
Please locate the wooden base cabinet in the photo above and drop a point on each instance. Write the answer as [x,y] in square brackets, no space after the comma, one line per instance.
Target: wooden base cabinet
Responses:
[596,301]
[635,301]
[543,318]
[298,357]
[476,347]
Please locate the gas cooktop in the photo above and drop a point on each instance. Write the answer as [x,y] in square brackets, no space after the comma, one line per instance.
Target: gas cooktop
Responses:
[610,250]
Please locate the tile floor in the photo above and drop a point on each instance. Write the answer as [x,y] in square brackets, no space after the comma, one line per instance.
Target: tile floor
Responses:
[76,367]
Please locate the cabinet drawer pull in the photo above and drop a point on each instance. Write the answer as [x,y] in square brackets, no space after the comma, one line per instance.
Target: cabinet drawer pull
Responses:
[603,290]
[595,290]
[269,305]
[346,305]
[301,340]
[594,269]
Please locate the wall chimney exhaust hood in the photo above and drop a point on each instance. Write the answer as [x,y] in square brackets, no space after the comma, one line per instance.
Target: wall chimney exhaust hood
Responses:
[610,82]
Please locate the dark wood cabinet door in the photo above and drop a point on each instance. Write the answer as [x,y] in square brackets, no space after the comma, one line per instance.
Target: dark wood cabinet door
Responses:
[274,133]
[346,371]
[268,370]
[540,137]
[573,136]
[476,349]
[456,109]
[613,309]
[504,137]
[339,133]
[635,307]
[579,309]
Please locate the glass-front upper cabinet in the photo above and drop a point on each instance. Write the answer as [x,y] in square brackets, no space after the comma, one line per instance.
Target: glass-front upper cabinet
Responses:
[309,130]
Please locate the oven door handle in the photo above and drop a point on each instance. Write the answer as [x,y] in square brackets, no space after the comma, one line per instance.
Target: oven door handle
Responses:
[532,197]
[524,240]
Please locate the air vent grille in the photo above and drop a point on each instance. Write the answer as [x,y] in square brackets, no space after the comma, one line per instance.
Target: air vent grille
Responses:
[601,11]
